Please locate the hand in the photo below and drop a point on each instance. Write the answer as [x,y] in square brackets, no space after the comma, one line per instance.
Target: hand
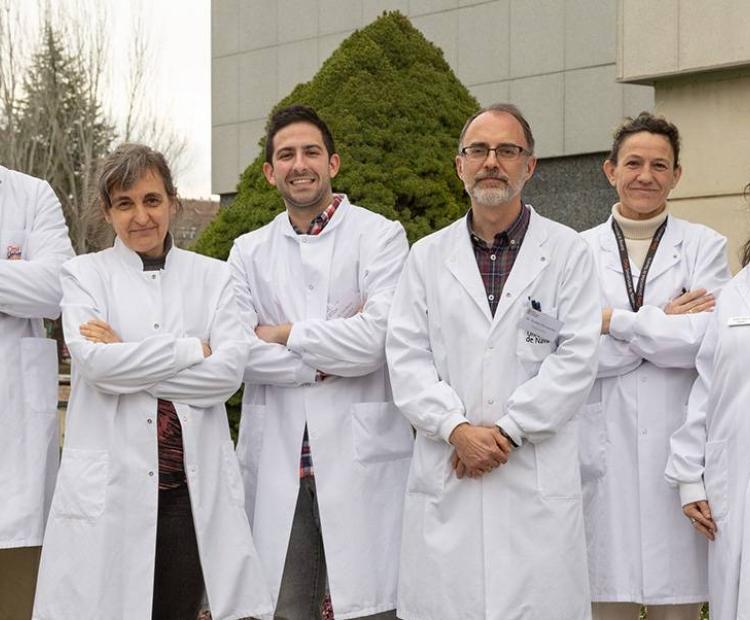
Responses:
[691,302]
[699,514]
[206,349]
[606,318]
[97,330]
[479,449]
[275,334]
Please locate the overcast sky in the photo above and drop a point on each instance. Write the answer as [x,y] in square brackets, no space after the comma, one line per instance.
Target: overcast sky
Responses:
[179,90]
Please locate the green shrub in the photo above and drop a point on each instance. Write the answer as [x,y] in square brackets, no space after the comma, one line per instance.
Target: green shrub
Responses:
[395,109]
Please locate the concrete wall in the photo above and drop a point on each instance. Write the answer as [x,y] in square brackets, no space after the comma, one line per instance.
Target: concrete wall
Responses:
[556,59]
[697,57]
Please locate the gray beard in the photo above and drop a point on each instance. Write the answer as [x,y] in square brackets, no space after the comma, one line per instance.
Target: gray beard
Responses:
[493,196]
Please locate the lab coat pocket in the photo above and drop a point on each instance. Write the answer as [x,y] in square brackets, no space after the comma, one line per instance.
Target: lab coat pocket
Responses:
[39,374]
[532,349]
[81,484]
[12,244]
[592,438]
[380,433]
[429,467]
[230,471]
[715,478]
[557,469]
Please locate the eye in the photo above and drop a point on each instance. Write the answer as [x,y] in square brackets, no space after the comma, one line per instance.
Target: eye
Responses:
[631,164]
[660,166]
[312,152]
[122,206]
[508,151]
[284,155]
[153,201]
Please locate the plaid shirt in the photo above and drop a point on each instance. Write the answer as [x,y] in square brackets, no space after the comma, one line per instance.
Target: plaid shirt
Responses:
[316,225]
[496,261]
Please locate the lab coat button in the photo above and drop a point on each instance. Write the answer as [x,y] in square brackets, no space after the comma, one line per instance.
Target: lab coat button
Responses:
[150,473]
[492,257]
[156,326]
[643,379]
[491,297]
[150,421]
[310,287]
[491,401]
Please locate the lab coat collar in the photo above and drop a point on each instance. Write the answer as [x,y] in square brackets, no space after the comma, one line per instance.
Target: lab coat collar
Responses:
[131,258]
[531,259]
[282,220]
[666,257]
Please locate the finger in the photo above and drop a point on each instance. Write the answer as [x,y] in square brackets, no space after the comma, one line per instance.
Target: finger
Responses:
[690,296]
[705,531]
[704,508]
[460,470]
[454,460]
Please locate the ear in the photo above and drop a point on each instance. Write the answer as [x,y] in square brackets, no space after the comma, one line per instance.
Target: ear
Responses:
[107,216]
[268,173]
[460,167]
[677,175]
[609,170]
[334,163]
[530,166]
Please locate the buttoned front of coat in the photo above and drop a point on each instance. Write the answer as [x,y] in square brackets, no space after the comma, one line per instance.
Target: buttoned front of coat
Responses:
[508,545]
[641,548]
[98,556]
[336,288]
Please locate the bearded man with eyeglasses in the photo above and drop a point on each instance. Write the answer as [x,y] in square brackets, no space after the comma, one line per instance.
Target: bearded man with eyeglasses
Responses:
[491,348]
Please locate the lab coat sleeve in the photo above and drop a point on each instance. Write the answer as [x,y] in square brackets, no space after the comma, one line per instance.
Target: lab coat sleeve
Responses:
[672,341]
[30,288]
[615,357]
[123,367]
[267,363]
[541,405]
[215,378]
[688,443]
[429,403]
[355,346]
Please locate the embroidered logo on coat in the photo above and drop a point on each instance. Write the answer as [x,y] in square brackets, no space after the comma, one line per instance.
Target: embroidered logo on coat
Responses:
[13,252]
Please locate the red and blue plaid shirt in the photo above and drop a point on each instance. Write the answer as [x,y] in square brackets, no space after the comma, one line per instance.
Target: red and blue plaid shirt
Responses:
[496,261]
[318,223]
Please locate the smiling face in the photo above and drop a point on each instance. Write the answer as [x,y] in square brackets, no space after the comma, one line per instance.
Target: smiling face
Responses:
[492,182]
[140,215]
[301,168]
[643,175]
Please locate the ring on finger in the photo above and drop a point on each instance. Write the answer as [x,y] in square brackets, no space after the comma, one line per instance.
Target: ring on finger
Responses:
[693,520]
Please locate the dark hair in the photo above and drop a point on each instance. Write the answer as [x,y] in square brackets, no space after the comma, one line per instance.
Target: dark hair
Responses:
[296,114]
[745,255]
[508,108]
[646,121]
[124,166]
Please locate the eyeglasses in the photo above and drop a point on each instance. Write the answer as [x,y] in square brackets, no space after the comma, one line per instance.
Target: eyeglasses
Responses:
[506,152]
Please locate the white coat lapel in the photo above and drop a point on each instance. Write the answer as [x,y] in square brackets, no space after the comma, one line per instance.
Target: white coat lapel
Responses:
[668,253]
[531,260]
[462,263]
[608,246]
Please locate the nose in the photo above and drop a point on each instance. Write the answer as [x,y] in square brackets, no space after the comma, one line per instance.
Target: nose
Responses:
[141,214]
[645,174]
[491,161]
[300,163]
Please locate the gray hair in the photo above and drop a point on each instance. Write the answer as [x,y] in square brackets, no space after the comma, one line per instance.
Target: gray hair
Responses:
[507,108]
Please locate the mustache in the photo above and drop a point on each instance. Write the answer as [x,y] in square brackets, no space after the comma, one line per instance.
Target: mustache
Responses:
[491,175]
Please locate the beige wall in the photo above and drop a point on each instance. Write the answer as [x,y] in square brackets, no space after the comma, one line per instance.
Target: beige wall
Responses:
[713,114]
[659,38]
[554,58]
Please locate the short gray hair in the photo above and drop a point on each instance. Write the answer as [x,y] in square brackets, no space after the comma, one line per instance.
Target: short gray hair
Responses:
[124,166]
[507,108]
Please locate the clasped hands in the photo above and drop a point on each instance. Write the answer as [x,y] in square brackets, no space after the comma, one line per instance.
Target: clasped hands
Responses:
[99,331]
[478,449]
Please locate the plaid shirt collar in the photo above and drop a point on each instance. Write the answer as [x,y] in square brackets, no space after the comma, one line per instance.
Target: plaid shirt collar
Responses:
[513,235]
[319,222]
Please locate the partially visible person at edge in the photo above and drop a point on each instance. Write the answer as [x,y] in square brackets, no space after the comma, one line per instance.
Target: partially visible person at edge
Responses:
[492,350]
[659,279]
[34,244]
[324,451]
[709,453]
[148,507]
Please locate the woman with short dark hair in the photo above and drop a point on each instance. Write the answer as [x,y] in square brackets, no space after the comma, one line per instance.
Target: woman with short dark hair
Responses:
[148,508]
[659,277]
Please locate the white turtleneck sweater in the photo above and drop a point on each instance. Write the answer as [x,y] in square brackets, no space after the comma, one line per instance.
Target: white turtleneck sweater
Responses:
[638,233]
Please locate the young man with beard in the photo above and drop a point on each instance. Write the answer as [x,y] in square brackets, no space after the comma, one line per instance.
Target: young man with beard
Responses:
[325,453]
[492,350]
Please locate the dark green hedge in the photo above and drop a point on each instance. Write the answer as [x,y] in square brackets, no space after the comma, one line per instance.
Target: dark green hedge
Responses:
[395,109]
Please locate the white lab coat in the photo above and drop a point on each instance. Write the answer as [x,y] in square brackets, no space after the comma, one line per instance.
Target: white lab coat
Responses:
[98,554]
[360,445]
[641,548]
[709,453]
[509,545]
[31,221]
